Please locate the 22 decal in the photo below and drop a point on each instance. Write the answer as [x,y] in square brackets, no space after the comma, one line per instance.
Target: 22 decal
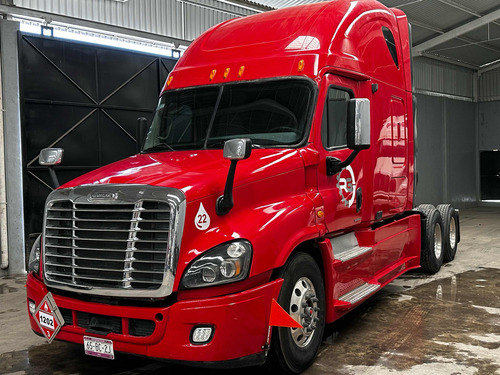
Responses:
[202,219]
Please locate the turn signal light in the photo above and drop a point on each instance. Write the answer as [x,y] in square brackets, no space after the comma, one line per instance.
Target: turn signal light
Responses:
[301,65]
[32,307]
[240,72]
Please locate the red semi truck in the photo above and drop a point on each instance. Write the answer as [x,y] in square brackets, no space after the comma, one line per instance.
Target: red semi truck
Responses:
[279,165]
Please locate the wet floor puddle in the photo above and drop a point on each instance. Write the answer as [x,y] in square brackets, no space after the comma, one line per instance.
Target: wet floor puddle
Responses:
[5,289]
[447,326]
[61,358]
[64,358]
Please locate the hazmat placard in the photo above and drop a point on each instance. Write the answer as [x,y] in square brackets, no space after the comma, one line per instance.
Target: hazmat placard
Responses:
[48,317]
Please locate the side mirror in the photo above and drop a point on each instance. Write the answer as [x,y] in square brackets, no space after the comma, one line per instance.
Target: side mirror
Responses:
[358,134]
[358,124]
[234,150]
[51,157]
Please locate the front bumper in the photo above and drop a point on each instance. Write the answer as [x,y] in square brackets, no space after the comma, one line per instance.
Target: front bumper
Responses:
[240,322]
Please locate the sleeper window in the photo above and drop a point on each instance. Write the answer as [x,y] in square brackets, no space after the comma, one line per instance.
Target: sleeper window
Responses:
[389,39]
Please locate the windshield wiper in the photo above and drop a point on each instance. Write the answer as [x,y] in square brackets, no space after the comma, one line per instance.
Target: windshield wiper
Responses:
[216,144]
[220,144]
[159,147]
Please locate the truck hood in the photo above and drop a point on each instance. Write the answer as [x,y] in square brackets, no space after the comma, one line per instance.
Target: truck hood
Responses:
[197,173]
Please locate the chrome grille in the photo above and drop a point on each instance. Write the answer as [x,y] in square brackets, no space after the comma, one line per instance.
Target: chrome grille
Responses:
[114,245]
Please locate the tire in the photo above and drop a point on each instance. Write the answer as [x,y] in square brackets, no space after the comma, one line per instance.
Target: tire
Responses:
[450,231]
[294,349]
[425,207]
[432,254]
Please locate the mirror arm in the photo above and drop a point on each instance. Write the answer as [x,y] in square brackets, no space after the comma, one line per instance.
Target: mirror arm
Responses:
[225,202]
[334,165]
[140,133]
[53,177]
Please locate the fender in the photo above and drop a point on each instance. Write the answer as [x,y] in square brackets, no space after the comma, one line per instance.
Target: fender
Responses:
[275,214]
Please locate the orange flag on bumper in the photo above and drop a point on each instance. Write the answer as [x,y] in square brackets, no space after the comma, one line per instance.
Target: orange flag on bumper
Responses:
[280,317]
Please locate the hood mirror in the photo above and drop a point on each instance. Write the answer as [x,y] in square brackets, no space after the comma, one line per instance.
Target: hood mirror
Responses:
[237,149]
[51,157]
[234,150]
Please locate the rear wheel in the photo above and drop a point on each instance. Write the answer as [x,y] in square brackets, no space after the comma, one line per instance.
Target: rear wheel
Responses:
[303,296]
[432,253]
[450,230]
[425,207]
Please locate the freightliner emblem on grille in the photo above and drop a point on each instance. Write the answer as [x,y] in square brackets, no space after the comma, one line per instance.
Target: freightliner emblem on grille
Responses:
[102,196]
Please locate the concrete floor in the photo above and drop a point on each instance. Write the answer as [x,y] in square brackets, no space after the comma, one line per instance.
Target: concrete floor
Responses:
[445,324]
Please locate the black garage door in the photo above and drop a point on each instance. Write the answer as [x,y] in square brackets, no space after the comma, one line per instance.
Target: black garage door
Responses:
[490,175]
[85,99]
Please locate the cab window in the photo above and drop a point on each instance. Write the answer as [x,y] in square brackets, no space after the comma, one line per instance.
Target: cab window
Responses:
[334,122]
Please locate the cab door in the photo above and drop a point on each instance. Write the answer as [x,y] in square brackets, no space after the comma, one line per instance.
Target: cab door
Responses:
[343,192]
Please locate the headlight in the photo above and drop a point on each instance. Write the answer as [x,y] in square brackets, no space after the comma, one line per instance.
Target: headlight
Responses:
[226,263]
[34,260]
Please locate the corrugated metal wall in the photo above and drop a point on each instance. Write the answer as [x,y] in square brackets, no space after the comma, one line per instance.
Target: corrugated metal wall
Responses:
[446,127]
[447,153]
[182,19]
[489,86]
[489,126]
[435,77]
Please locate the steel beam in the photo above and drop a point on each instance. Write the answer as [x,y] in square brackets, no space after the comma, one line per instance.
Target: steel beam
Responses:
[456,32]
[13,146]
[465,9]
[488,67]
[13,10]
[444,59]
[461,7]
[426,26]
[462,38]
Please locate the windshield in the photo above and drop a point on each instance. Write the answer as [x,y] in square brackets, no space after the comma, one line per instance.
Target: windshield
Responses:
[270,113]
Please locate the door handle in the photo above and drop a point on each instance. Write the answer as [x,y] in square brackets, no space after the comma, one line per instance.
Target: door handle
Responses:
[359,199]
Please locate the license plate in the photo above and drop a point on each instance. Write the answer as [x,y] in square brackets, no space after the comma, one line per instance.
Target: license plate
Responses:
[98,347]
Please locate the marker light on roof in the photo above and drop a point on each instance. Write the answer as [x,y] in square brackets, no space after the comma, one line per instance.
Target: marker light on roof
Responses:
[212,74]
[226,72]
[169,80]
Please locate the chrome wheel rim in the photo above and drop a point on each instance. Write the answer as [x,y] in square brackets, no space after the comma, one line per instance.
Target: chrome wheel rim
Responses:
[437,241]
[304,309]
[453,233]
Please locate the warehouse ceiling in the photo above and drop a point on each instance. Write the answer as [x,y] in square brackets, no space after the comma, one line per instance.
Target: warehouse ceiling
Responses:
[462,32]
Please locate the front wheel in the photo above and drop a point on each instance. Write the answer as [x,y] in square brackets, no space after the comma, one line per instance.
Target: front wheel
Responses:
[303,296]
